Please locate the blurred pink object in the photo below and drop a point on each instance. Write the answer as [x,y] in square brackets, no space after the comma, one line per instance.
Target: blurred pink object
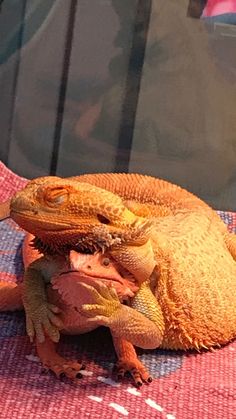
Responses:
[219,7]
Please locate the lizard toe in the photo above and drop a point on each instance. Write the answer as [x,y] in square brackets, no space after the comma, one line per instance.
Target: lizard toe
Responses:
[65,368]
[133,368]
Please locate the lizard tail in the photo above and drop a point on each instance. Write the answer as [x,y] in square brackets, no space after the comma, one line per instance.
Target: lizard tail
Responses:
[230,241]
[11,293]
[10,296]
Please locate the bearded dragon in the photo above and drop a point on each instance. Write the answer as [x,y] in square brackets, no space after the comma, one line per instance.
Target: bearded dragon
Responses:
[175,245]
[66,292]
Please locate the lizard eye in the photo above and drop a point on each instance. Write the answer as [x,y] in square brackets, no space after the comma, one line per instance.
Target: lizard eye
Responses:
[103,219]
[56,197]
[106,262]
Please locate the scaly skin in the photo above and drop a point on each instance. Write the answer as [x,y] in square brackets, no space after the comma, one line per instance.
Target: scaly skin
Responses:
[174,244]
[67,292]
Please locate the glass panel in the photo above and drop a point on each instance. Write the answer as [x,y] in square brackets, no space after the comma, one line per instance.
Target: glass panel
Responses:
[185,127]
[99,63]
[121,85]
[38,81]
[10,41]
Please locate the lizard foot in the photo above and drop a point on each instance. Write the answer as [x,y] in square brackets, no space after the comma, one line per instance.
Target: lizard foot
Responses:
[128,362]
[135,368]
[44,318]
[60,366]
[105,304]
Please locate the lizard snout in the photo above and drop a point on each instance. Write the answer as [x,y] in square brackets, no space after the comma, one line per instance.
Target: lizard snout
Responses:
[20,204]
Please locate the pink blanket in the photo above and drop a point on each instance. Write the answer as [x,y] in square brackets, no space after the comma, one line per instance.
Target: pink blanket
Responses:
[185,386]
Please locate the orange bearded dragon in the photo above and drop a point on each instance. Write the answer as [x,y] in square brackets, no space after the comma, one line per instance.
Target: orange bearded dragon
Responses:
[66,292]
[176,247]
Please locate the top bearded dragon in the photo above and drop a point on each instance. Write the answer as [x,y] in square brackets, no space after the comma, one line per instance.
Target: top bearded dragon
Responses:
[175,245]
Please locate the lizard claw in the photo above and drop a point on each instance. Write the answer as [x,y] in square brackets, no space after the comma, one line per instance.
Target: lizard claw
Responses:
[105,304]
[66,368]
[135,368]
[43,320]
[60,366]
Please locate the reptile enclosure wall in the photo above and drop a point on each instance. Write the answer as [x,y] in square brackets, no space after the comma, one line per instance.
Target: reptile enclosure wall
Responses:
[117,85]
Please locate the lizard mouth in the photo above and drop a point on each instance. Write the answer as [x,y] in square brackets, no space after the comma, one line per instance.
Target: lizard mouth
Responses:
[124,287]
[30,221]
[63,237]
[63,249]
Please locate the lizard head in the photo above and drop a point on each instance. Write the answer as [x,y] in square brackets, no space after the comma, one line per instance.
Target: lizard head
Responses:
[65,214]
[101,268]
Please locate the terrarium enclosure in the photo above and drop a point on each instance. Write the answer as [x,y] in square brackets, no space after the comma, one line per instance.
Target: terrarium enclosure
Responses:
[120,85]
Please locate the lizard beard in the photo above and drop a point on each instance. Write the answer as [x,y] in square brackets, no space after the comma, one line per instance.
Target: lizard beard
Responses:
[64,249]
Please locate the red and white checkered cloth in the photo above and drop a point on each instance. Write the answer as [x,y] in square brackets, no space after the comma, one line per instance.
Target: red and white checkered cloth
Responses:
[185,386]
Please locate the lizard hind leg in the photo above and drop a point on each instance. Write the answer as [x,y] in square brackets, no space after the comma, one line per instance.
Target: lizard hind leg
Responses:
[10,296]
[128,362]
[52,361]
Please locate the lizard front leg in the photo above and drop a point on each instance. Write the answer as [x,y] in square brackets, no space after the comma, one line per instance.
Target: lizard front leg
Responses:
[124,322]
[52,361]
[41,316]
